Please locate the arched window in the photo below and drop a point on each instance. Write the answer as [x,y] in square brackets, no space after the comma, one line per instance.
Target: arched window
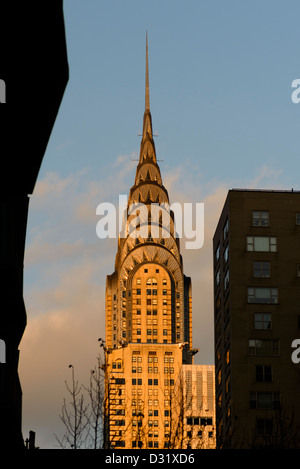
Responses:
[151,281]
[117,365]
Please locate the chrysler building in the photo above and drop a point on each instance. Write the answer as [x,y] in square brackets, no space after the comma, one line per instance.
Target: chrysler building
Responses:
[148,311]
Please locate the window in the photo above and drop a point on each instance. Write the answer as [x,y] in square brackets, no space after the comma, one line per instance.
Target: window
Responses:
[205,421]
[298,218]
[262,243]
[225,229]
[262,321]
[264,400]
[218,277]
[263,374]
[120,381]
[138,291]
[120,443]
[151,281]
[298,270]
[260,218]
[261,269]
[267,347]
[226,280]
[119,423]
[226,254]
[218,252]
[263,295]
[264,426]
[152,382]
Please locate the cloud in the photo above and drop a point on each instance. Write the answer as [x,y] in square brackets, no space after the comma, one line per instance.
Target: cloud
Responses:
[266,177]
[65,274]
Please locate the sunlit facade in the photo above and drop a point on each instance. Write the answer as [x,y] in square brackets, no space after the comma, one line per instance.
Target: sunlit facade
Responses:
[148,311]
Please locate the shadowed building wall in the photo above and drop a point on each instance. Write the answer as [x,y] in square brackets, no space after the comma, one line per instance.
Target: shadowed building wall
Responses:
[257,297]
[34,68]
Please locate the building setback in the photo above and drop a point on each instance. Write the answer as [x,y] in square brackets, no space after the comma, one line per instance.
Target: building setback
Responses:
[256,249]
[193,408]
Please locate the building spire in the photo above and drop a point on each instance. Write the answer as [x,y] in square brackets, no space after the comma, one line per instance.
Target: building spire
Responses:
[147,144]
[147,94]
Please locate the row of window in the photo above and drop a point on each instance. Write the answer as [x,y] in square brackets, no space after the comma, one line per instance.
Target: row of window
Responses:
[151,434]
[151,341]
[151,402]
[259,218]
[152,359]
[259,400]
[151,321]
[266,347]
[150,301]
[257,295]
[261,347]
[202,421]
[253,244]
[151,382]
[151,444]
[151,280]
[152,369]
[151,312]
[261,269]
[151,412]
[151,331]
[150,291]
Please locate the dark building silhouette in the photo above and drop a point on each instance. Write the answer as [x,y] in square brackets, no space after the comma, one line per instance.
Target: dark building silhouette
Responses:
[34,67]
[257,317]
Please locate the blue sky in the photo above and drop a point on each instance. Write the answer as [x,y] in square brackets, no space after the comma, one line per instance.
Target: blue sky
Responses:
[220,98]
[220,84]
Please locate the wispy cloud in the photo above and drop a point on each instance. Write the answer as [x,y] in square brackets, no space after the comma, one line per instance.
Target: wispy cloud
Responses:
[65,273]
